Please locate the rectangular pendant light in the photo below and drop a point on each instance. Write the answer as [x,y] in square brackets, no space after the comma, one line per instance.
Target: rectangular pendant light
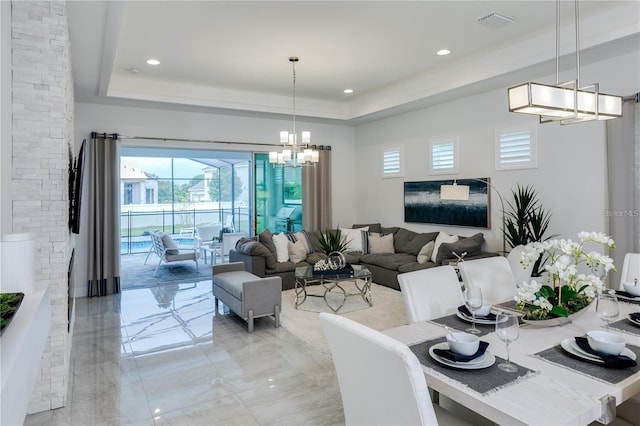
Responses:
[554,103]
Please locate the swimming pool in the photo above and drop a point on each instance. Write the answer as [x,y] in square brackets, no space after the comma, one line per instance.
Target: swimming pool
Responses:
[143,246]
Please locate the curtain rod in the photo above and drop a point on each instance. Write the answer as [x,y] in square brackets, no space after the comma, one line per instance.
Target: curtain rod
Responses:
[152,138]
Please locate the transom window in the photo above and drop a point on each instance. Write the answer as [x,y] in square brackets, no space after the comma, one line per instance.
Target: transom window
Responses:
[443,156]
[392,162]
[515,149]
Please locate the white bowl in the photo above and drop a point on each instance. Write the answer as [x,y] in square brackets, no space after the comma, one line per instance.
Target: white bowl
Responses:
[484,311]
[463,343]
[606,342]
[632,289]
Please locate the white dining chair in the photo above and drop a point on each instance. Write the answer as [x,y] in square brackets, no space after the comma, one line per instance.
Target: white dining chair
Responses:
[493,275]
[381,380]
[520,273]
[430,293]
[630,268]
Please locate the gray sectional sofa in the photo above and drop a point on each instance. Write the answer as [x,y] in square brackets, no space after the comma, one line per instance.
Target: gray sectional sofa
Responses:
[259,255]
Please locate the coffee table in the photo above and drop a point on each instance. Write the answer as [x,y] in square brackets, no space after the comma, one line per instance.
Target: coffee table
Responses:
[332,284]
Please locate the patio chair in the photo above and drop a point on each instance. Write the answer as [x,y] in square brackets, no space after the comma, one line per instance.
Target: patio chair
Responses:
[168,251]
[229,240]
[207,233]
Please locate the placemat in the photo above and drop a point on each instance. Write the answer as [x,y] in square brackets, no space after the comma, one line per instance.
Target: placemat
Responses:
[483,381]
[626,326]
[557,355]
[459,324]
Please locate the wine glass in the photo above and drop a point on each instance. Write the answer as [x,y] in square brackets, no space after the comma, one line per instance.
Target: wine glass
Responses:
[607,308]
[508,331]
[473,301]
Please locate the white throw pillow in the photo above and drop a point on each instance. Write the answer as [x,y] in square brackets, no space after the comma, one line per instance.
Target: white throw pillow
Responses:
[304,237]
[379,243]
[440,239]
[281,242]
[297,251]
[354,238]
[425,252]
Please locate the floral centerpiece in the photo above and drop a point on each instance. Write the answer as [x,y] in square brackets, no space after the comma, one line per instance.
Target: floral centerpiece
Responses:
[574,276]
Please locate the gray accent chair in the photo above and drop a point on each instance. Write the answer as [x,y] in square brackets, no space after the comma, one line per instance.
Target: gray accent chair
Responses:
[246,294]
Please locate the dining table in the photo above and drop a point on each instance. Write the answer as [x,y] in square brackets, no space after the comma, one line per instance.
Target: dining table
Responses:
[551,387]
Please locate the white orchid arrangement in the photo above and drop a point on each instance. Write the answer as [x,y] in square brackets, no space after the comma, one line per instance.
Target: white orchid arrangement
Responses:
[567,289]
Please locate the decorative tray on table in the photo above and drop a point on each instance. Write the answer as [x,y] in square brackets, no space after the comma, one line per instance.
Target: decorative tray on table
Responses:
[9,304]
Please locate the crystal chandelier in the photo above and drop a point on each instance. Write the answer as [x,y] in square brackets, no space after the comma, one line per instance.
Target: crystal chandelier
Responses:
[294,153]
[566,102]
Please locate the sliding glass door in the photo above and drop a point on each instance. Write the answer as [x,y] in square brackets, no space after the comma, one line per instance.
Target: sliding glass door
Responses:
[278,196]
[177,190]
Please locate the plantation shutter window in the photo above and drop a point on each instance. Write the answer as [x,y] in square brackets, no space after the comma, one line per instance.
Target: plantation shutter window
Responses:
[392,162]
[515,149]
[443,157]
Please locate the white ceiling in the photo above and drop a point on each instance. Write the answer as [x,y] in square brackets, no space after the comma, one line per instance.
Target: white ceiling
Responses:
[234,55]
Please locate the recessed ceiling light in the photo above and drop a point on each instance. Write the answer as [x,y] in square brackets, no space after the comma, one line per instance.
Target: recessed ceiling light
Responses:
[443,52]
[153,62]
[348,91]
[134,70]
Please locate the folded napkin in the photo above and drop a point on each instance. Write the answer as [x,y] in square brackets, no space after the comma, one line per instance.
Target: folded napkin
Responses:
[625,294]
[464,311]
[452,356]
[610,361]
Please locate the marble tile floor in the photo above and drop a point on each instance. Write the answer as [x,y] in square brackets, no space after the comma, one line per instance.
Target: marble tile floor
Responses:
[162,356]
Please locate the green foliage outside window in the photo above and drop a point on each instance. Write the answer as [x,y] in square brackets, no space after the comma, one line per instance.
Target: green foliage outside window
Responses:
[225,183]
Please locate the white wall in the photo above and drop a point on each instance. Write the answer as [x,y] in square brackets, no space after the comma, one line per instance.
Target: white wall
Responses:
[570,178]
[136,121]
[571,174]
[5,118]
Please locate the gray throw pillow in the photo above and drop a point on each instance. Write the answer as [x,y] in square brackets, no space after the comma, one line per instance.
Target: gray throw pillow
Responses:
[410,242]
[470,245]
[251,247]
[266,238]
[373,227]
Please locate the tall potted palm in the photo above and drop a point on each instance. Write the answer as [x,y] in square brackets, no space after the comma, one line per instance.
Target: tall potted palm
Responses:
[526,221]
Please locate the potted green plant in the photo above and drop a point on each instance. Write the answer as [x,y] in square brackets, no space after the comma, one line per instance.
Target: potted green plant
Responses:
[526,221]
[331,240]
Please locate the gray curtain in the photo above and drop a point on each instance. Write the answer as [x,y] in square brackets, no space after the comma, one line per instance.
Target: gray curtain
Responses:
[316,192]
[104,217]
[623,164]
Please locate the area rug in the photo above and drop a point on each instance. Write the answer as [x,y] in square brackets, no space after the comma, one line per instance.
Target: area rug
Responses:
[388,311]
[134,273]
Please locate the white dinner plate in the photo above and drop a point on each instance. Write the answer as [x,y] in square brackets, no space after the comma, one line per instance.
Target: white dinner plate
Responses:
[569,344]
[479,320]
[486,360]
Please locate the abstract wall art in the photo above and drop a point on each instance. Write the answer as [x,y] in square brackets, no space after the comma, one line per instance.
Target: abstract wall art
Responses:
[422,203]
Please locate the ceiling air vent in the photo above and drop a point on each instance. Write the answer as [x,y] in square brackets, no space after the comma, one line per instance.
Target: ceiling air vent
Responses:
[495,20]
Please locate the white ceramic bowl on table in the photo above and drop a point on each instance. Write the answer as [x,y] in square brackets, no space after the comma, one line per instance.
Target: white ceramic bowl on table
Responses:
[463,343]
[605,342]
[484,311]
[632,289]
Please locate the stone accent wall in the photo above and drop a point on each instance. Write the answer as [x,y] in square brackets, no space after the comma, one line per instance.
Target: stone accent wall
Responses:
[42,91]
